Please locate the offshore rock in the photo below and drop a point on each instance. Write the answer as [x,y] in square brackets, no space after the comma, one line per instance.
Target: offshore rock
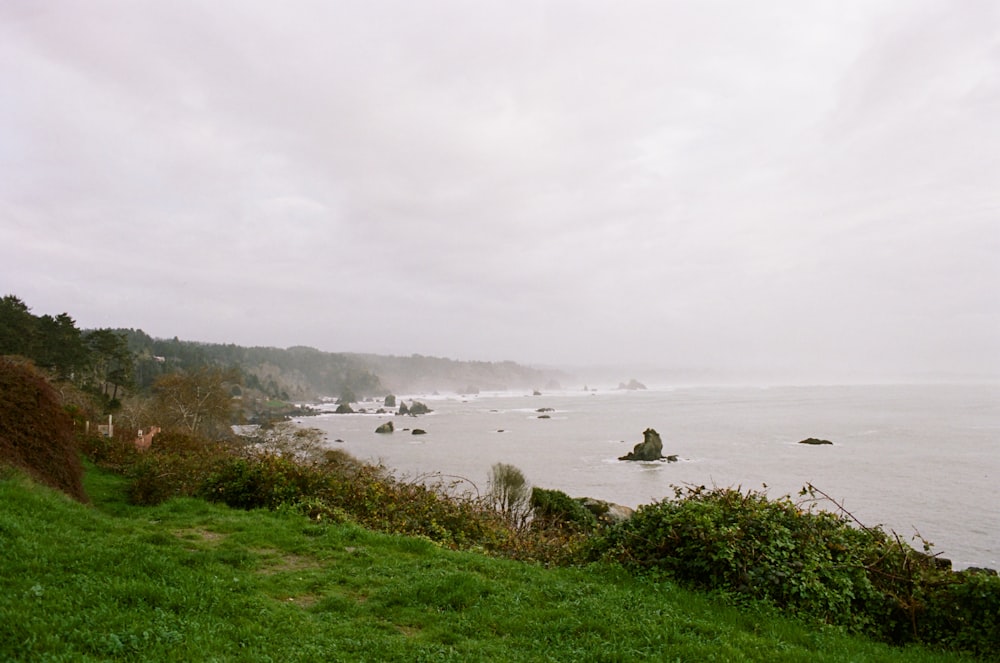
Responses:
[651,447]
[387,427]
[416,407]
[344,408]
[633,385]
[814,440]
[413,409]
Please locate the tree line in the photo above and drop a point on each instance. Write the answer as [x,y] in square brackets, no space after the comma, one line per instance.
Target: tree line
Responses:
[124,370]
[98,360]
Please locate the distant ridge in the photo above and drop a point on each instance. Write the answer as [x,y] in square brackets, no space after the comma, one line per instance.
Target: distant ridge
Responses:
[304,373]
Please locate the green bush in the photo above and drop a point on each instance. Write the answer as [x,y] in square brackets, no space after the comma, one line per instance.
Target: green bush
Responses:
[809,562]
[758,548]
[964,614]
[265,481]
[339,487]
[176,465]
[556,508]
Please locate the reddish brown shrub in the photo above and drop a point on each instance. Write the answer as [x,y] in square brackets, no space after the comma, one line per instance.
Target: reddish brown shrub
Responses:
[36,433]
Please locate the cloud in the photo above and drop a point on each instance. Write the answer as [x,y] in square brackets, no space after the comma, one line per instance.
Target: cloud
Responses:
[728,184]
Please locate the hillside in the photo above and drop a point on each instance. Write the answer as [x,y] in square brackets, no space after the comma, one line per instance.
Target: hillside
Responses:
[110,363]
[304,373]
[189,580]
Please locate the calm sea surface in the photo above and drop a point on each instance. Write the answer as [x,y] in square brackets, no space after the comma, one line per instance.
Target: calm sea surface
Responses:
[914,458]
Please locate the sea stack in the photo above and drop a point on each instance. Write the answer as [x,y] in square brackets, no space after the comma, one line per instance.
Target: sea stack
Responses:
[651,447]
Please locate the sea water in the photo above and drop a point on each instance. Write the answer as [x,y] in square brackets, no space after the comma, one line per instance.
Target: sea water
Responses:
[920,460]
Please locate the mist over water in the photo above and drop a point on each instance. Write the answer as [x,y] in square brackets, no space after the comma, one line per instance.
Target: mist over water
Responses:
[913,458]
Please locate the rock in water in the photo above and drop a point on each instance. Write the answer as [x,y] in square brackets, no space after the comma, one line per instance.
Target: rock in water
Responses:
[416,407]
[632,385]
[387,427]
[651,448]
[814,440]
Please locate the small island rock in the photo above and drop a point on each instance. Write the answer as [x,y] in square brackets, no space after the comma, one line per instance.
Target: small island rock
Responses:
[387,427]
[814,440]
[651,447]
[416,407]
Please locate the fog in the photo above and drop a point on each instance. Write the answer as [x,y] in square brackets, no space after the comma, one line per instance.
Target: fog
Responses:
[792,191]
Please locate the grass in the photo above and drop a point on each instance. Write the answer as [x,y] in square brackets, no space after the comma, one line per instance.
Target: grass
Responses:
[193,581]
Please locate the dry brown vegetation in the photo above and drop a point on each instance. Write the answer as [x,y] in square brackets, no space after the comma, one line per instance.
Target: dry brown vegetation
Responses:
[36,433]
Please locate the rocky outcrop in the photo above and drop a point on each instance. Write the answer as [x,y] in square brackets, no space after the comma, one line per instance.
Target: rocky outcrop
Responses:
[387,427]
[390,401]
[344,408]
[633,385]
[418,431]
[606,512]
[814,440]
[413,409]
[651,448]
[416,407]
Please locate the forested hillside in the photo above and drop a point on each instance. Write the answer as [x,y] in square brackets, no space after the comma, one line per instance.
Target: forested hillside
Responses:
[112,361]
[302,373]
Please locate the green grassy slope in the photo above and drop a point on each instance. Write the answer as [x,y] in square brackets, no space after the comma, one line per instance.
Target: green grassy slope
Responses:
[192,581]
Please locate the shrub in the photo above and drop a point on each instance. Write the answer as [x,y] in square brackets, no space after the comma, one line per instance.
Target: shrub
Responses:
[177,464]
[36,433]
[509,493]
[265,481]
[813,563]
[555,508]
[758,548]
[155,479]
[964,614]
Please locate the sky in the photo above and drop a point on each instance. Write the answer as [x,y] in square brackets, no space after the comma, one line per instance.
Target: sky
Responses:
[804,189]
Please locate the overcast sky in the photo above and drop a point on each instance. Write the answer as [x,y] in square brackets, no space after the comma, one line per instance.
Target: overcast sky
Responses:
[810,188]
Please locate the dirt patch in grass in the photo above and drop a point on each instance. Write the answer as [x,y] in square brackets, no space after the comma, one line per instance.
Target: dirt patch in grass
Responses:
[303,601]
[198,535]
[408,631]
[278,561]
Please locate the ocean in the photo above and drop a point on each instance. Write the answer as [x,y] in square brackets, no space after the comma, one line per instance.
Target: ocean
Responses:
[920,460]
